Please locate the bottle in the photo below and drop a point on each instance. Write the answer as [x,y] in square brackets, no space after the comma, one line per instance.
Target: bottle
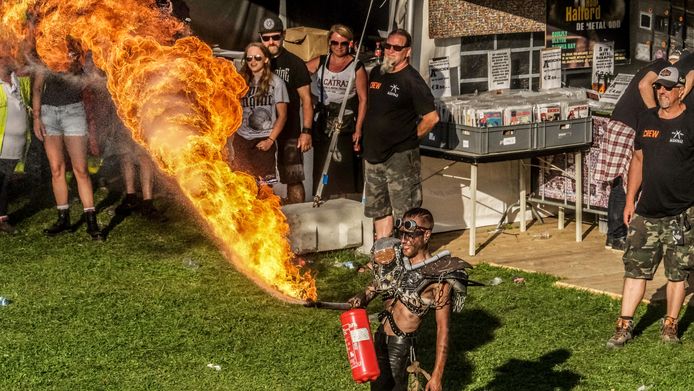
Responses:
[378,52]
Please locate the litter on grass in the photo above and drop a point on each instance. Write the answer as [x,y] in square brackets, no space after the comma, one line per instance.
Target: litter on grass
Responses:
[214,366]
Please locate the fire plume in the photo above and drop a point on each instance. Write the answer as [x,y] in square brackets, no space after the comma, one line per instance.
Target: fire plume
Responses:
[181,103]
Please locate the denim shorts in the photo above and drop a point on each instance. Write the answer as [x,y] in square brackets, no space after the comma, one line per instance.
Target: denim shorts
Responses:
[68,120]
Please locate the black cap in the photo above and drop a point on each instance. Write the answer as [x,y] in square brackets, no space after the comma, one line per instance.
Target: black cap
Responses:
[271,24]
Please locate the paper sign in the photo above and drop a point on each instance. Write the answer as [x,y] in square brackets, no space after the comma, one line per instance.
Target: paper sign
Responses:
[550,71]
[603,64]
[440,77]
[616,88]
[499,69]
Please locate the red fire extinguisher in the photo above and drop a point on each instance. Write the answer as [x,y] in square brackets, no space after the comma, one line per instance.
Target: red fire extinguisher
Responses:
[360,347]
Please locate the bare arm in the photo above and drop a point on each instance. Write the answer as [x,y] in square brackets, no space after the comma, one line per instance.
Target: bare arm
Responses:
[36,90]
[362,80]
[312,65]
[304,143]
[443,317]
[689,83]
[362,299]
[635,179]
[646,89]
[427,123]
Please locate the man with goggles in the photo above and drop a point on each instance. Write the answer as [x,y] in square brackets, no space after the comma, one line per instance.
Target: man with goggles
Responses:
[294,138]
[399,112]
[411,283]
[660,223]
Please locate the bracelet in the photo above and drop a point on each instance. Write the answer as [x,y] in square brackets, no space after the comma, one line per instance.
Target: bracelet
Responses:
[271,139]
[305,130]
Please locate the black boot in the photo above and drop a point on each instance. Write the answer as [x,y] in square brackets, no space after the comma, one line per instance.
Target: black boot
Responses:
[61,225]
[92,226]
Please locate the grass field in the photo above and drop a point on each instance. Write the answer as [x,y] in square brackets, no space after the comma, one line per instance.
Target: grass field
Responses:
[150,308]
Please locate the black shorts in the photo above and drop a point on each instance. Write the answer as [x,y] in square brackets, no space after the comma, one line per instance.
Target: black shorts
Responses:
[290,161]
[249,159]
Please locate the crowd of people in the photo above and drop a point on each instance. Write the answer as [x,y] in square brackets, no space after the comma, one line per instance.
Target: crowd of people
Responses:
[378,119]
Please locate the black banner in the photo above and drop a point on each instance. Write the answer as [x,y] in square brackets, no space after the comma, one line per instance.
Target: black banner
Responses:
[575,25]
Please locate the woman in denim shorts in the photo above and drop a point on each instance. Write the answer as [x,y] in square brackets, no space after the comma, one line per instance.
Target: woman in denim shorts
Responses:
[61,123]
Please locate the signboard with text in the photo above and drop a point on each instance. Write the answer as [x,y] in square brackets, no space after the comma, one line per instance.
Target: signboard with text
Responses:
[550,68]
[575,26]
[499,69]
[440,77]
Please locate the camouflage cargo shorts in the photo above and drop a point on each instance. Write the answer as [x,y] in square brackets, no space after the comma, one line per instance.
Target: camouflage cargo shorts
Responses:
[394,186]
[650,240]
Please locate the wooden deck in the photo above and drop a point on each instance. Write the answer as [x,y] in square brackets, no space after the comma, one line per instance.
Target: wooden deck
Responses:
[582,265]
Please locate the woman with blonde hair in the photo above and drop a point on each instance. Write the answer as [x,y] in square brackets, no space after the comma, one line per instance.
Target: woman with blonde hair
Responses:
[264,115]
[331,76]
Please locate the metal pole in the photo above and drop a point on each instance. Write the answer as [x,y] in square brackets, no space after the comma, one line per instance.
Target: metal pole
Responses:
[338,124]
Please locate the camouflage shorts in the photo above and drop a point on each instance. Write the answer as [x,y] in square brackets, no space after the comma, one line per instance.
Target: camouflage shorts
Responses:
[394,186]
[650,240]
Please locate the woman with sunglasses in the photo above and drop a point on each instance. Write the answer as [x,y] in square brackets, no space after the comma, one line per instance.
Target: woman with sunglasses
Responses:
[264,115]
[331,74]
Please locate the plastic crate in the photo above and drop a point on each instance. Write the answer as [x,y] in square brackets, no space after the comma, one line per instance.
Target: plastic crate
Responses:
[557,134]
[482,141]
[438,136]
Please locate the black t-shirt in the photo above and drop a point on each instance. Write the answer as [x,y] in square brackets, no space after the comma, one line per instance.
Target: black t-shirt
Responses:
[668,163]
[58,91]
[684,66]
[631,103]
[293,71]
[395,103]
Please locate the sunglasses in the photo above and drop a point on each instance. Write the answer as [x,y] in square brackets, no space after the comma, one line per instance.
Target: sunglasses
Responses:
[396,48]
[411,235]
[657,86]
[257,57]
[274,37]
[344,44]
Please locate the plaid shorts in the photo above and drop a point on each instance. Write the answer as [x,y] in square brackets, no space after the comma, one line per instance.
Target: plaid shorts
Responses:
[650,240]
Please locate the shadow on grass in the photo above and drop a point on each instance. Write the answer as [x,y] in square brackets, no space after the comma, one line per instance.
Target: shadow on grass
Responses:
[535,375]
[657,308]
[469,330]
[34,205]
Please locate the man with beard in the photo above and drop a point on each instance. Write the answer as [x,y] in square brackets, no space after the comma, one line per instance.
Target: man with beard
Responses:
[660,224]
[617,144]
[412,282]
[400,111]
[294,140]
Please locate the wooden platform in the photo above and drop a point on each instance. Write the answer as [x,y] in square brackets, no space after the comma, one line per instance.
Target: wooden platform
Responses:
[546,249]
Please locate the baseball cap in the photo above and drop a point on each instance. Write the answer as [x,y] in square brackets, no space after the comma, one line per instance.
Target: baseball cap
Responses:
[669,77]
[271,24]
[675,55]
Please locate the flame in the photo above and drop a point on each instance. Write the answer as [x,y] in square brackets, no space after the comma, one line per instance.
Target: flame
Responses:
[181,103]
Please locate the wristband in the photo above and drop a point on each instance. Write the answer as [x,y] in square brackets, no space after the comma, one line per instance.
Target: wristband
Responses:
[271,139]
[305,130]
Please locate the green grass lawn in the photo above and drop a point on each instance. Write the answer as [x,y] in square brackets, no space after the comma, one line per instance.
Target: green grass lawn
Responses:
[150,308]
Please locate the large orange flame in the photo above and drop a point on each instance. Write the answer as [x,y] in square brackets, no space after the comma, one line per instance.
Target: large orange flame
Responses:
[181,103]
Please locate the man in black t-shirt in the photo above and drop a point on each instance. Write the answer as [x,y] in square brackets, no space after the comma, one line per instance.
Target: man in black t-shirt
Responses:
[400,110]
[294,139]
[617,144]
[660,223]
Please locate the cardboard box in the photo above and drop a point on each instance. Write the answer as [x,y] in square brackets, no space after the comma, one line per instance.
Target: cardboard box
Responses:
[306,42]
